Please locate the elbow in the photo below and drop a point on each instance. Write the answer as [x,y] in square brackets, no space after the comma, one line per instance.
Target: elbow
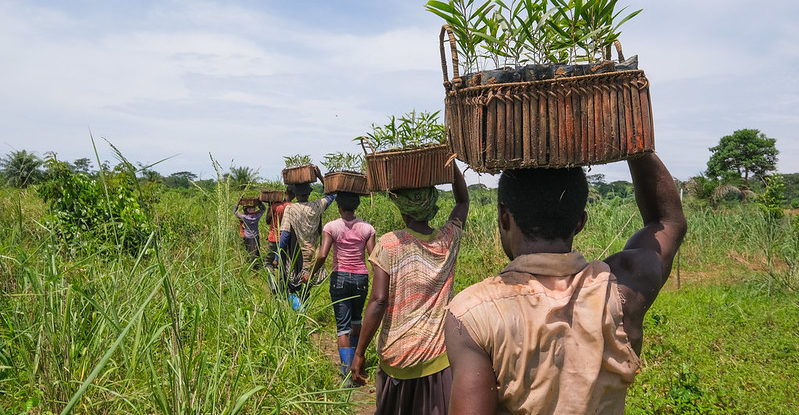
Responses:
[379,301]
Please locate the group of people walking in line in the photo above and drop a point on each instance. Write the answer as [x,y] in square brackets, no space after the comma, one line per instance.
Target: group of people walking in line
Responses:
[549,333]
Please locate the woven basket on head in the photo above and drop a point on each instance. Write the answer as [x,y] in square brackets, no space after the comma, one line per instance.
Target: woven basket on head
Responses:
[298,175]
[564,122]
[249,201]
[411,168]
[346,181]
[271,196]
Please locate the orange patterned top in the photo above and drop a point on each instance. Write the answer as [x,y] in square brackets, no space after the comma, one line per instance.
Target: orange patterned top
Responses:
[421,269]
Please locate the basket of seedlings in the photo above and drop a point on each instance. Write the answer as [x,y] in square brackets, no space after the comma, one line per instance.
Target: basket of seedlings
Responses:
[273,193]
[539,88]
[249,201]
[345,173]
[408,152]
[298,170]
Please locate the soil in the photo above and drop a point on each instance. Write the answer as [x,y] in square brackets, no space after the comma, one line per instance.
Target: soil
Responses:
[364,396]
[538,72]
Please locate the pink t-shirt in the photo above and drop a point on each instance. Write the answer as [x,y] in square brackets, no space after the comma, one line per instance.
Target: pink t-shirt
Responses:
[349,244]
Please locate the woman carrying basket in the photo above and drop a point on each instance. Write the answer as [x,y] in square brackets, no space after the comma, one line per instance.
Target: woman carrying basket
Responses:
[413,275]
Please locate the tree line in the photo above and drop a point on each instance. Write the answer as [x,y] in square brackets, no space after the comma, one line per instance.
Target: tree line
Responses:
[741,166]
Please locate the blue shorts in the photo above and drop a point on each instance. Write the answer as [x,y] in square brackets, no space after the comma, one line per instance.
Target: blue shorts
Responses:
[348,292]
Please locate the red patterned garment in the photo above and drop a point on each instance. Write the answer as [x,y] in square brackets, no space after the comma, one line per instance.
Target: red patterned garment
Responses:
[421,269]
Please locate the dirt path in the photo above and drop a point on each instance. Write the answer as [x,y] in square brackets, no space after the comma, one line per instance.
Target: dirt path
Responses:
[363,397]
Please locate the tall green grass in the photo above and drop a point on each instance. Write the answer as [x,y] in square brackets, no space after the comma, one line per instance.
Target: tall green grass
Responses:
[194,330]
[184,328]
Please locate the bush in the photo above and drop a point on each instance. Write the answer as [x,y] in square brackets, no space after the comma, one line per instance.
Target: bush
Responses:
[85,209]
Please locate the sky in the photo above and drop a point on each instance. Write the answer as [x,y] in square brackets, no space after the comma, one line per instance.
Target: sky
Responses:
[248,82]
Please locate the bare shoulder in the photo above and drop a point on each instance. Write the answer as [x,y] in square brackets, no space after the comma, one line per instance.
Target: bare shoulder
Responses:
[638,273]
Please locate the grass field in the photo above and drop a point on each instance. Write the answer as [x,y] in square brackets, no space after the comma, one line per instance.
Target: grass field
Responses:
[184,327]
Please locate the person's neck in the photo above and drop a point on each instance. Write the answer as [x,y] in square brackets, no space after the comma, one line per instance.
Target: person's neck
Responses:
[542,246]
[419,227]
[348,216]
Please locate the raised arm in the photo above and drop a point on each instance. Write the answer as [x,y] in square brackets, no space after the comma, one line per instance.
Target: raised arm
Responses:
[474,384]
[372,317]
[318,174]
[236,211]
[461,195]
[269,214]
[661,210]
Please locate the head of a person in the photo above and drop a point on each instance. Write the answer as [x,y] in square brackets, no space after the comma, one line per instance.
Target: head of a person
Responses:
[249,210]
[289,194]
[541,206]
[301,191]
[418,204]
[347,202]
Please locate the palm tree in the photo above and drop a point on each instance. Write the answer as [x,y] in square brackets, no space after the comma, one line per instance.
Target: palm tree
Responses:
[20,168]
[241,176]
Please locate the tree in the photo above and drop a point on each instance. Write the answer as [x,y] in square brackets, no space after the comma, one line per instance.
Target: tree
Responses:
[180,179]
[21,169]
[82,165]
[241,176]
[743,154]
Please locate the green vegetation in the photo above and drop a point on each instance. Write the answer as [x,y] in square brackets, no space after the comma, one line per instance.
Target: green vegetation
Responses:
[744,153]
[21,169]
[518,32]
[180,324]
[334,162]
[410,130]
[297,160]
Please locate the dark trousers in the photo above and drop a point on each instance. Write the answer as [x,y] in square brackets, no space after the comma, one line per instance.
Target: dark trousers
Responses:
[253,246]
[271,252]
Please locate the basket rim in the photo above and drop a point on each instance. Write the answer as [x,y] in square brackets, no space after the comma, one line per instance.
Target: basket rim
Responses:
[480,88]
[423,148]
[345,173]
[304,166]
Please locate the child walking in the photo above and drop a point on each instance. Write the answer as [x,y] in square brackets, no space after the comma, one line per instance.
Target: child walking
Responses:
[248,229]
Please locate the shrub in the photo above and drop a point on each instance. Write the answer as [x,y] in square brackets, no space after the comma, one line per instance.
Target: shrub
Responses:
[86,209]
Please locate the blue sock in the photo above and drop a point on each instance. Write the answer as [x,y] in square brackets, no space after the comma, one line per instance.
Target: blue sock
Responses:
[296,305]
[346,354]
[354,341]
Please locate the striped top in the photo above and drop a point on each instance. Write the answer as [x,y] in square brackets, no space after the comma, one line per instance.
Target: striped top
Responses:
[421,269]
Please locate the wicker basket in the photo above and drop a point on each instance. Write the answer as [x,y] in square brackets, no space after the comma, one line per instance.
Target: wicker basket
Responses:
[581,120]
[298,175]
[406,169]
[346,181]
[249,201]
[271,196]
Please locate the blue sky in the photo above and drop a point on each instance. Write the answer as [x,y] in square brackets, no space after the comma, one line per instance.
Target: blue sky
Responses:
[249,82]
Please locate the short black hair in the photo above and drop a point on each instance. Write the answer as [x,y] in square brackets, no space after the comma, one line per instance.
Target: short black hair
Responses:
[545,203]
[348,201]
[299,189]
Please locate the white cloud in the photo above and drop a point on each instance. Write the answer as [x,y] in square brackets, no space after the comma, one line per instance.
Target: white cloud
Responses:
[248,84]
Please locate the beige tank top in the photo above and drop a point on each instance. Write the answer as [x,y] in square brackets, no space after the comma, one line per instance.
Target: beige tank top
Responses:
[552,326]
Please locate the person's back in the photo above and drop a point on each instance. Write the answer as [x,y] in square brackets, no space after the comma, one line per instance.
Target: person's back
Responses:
[350,239]
[560,325]
[349,244]
[552,333]
[413,275]
[303,220]
[422,268]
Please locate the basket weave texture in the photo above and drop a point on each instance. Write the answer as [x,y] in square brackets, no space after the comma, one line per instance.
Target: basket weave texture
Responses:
[411,168]
[565,122]
[271,196]
[345,181]
[249,201]
[298,175]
